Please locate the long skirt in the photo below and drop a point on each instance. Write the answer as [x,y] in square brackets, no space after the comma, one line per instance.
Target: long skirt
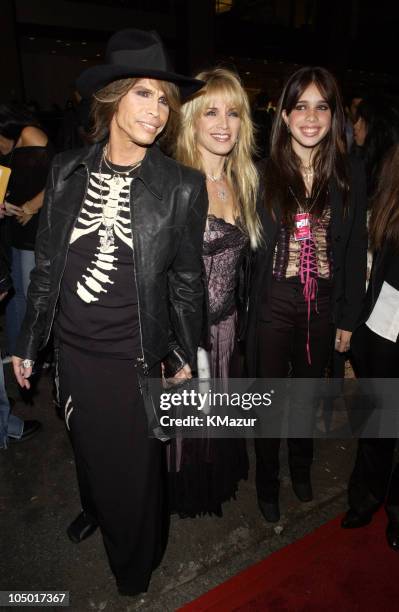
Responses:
[204,473]
[119,468]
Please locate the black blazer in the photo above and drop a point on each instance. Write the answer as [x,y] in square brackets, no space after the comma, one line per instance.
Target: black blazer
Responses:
[349,248]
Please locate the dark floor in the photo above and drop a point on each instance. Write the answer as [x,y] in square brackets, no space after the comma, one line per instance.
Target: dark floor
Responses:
[38,499]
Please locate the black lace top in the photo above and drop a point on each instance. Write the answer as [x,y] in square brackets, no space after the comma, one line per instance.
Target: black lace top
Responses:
[224,245]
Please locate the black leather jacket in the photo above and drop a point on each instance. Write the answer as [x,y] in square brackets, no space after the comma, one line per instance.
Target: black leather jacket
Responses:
[168,210]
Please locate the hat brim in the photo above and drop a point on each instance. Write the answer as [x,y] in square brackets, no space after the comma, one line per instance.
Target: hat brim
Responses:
[95,78]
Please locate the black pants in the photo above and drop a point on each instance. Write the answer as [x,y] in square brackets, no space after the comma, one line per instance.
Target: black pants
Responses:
[119,468]
[281,345]
[373,480]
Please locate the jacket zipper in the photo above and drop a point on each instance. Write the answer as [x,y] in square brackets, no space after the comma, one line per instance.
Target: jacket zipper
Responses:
[66,257]
[141,360]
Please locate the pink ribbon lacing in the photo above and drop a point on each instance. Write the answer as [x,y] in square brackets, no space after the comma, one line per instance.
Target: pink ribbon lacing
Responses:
[308,274]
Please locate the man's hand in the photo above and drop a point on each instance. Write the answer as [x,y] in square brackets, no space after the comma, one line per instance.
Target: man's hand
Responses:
[21,373]
[180,377]
[3,295]
[342,340]
[184,373]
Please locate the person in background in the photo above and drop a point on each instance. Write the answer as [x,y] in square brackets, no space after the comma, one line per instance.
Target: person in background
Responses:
[217,137]
[263,119]
[309,276]
[27,151]
[12,428]
[375,130]
[351,111]
[68,136]
[375,349]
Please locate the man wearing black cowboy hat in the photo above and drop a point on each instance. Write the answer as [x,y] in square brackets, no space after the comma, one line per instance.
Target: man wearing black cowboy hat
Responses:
[118,272]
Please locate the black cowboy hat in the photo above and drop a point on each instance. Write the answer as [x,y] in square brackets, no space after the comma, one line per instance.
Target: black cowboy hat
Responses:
[134,53]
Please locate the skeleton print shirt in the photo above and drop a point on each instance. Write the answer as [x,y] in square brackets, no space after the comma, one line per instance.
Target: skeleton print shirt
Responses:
[98,300]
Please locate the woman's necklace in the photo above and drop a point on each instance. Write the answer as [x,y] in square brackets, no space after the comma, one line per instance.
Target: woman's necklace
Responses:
[308,174]
[221,191]
[309,205]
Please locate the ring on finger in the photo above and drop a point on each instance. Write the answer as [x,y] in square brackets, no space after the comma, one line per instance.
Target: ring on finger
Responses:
[27,363]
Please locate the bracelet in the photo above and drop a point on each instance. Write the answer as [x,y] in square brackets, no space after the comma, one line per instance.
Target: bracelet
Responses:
[28,363]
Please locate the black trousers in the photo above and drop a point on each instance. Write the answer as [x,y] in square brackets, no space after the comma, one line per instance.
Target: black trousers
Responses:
[281,346]
[120,469]
[374,480]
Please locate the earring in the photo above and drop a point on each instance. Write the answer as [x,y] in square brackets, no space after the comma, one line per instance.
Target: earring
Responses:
[288,128]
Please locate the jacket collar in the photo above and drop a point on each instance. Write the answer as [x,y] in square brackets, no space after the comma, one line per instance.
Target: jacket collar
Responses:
[152,171]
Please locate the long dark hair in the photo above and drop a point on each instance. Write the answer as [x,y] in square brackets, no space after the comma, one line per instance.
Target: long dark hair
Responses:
[283,167]
[14,119]
[384,219]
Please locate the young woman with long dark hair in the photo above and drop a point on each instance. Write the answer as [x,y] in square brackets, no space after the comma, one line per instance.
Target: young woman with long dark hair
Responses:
[309,276]
[376,355]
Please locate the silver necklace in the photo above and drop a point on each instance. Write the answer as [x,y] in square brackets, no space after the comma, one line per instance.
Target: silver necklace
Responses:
[220,191]
[110,207]
[117,175]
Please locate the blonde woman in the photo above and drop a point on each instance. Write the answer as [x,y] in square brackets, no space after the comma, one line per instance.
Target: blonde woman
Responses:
[217,138]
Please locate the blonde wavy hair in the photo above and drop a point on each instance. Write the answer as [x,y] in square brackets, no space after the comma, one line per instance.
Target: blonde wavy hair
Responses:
[240,169]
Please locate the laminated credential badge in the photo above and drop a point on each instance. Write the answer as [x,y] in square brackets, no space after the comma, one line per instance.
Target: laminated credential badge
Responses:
[302,226]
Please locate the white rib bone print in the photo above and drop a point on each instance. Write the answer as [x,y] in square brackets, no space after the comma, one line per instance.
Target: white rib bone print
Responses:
[115,195]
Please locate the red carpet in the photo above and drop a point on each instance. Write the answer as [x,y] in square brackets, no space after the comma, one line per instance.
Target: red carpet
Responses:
[329,570]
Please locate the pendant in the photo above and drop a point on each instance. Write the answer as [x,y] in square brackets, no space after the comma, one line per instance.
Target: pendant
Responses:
[107,240]
[308,176]
[221,194]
